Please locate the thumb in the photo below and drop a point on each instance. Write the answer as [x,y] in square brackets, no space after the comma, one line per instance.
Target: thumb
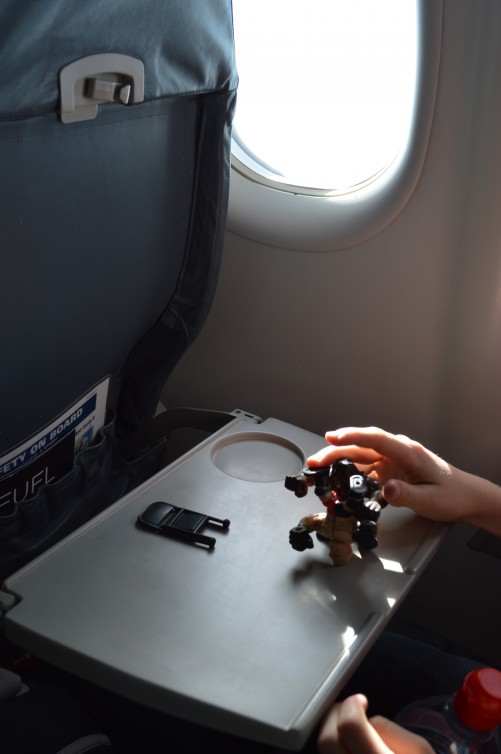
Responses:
[400,493]
[426,500]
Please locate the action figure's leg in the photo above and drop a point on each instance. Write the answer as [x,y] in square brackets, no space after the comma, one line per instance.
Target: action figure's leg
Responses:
[364,534]
[340,541]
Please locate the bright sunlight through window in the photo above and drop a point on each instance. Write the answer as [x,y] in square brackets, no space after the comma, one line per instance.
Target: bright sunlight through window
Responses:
[326,89]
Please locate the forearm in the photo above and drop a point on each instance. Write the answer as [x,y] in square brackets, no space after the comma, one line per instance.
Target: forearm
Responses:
[483,504]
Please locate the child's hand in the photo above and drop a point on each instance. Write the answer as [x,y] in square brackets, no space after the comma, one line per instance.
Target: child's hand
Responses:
[414,477]
[347,730]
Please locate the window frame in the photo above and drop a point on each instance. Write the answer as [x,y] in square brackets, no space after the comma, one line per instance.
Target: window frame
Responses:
[328,220]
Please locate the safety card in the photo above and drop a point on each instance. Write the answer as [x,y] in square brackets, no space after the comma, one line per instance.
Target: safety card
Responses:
[47,456]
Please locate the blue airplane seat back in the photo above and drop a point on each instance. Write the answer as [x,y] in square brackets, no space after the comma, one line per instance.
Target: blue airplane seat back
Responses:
[115,128]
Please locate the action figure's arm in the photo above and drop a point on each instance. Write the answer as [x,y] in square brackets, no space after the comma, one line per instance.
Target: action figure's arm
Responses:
[298,484]
[319,478]
[299,536]
[313,521]
[368,510]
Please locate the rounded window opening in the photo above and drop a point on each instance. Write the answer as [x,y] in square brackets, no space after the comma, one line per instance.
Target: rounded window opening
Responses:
[326,93]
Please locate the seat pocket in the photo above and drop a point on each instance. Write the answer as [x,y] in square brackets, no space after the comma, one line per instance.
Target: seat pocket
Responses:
[100,476]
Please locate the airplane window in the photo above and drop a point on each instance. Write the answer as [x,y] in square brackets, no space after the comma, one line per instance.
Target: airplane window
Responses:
[334,113]
[326,89]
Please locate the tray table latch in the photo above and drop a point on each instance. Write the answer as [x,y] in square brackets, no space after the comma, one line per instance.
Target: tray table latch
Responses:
[94,80]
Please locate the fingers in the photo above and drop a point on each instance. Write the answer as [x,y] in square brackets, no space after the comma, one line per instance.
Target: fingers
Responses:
[363,445]
[357,453]
[398,739]
[346,730]
[385,454]
[397,447]
[329,455]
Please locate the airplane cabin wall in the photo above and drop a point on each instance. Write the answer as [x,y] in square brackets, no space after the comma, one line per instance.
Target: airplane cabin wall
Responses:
[401,331]
[404,330]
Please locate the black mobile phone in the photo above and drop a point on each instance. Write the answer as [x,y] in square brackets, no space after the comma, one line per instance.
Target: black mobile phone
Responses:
[180,523]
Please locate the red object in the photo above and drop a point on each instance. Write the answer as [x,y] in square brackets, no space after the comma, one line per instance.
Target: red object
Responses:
[478,700]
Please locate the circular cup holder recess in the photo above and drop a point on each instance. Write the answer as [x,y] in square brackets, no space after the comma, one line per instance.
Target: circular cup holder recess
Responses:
[257,457]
